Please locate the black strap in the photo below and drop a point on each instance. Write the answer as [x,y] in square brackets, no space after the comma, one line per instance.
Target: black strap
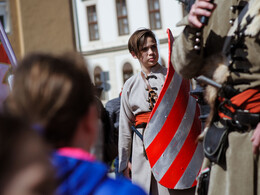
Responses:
[247,118]
[142,125]
[137,132]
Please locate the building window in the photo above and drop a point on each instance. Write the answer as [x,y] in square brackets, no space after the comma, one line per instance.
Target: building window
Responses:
[123,28]
[2,20]
[4,15]
[154,14]
[127,71]
[97,76]
[92,23]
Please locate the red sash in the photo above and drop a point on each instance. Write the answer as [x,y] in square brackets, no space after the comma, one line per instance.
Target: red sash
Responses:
[246,100]
[142,118]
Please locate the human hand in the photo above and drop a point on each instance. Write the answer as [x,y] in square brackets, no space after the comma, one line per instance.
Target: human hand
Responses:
[256,139]
[127,171]
[198,9]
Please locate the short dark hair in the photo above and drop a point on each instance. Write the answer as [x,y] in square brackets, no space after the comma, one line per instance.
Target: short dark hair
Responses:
[137,40]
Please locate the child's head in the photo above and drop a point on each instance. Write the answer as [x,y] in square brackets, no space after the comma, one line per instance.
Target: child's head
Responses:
[137,40]
[142,45]
[53,93]
[24,163]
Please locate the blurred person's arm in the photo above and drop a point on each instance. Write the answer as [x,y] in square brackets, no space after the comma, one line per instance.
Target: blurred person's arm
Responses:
[256,139]
[127,171]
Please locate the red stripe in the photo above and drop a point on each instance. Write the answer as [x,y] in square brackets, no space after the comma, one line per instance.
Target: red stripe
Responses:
[157,147]
[169,76]
[3,56]
[195,181]
[164,89]
[185,155]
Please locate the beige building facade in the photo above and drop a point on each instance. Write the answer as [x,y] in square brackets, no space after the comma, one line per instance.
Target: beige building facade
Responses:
[38,26]
[99,29]
[104,27]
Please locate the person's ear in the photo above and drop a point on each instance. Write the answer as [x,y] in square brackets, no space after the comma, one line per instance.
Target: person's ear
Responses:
[133,54]
[91,120]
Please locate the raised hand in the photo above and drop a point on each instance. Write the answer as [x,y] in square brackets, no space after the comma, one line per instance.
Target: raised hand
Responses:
[200,8]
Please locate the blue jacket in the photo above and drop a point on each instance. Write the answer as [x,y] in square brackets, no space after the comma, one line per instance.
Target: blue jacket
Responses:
[82,177]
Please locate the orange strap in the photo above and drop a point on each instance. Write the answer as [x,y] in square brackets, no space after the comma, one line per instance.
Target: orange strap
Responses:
[246,100]
[142,118]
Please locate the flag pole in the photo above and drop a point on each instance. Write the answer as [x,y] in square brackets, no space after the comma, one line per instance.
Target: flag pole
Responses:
[7,46]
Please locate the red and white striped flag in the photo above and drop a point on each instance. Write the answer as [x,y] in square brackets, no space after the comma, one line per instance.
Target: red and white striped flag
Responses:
[7,60]
[170,136]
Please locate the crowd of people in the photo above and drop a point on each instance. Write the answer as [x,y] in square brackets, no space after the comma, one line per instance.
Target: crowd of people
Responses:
[58,138]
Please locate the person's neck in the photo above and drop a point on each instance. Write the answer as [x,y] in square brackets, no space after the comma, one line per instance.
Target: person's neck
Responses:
[147,70]
[81,140]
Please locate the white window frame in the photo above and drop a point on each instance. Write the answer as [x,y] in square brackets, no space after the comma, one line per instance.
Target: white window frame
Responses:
[4,11]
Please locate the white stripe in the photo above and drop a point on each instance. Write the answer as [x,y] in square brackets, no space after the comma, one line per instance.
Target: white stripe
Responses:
[157,121]
[172,150]
[192,170]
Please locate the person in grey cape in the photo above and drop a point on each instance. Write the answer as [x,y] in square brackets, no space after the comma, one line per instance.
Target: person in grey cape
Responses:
[139,95]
